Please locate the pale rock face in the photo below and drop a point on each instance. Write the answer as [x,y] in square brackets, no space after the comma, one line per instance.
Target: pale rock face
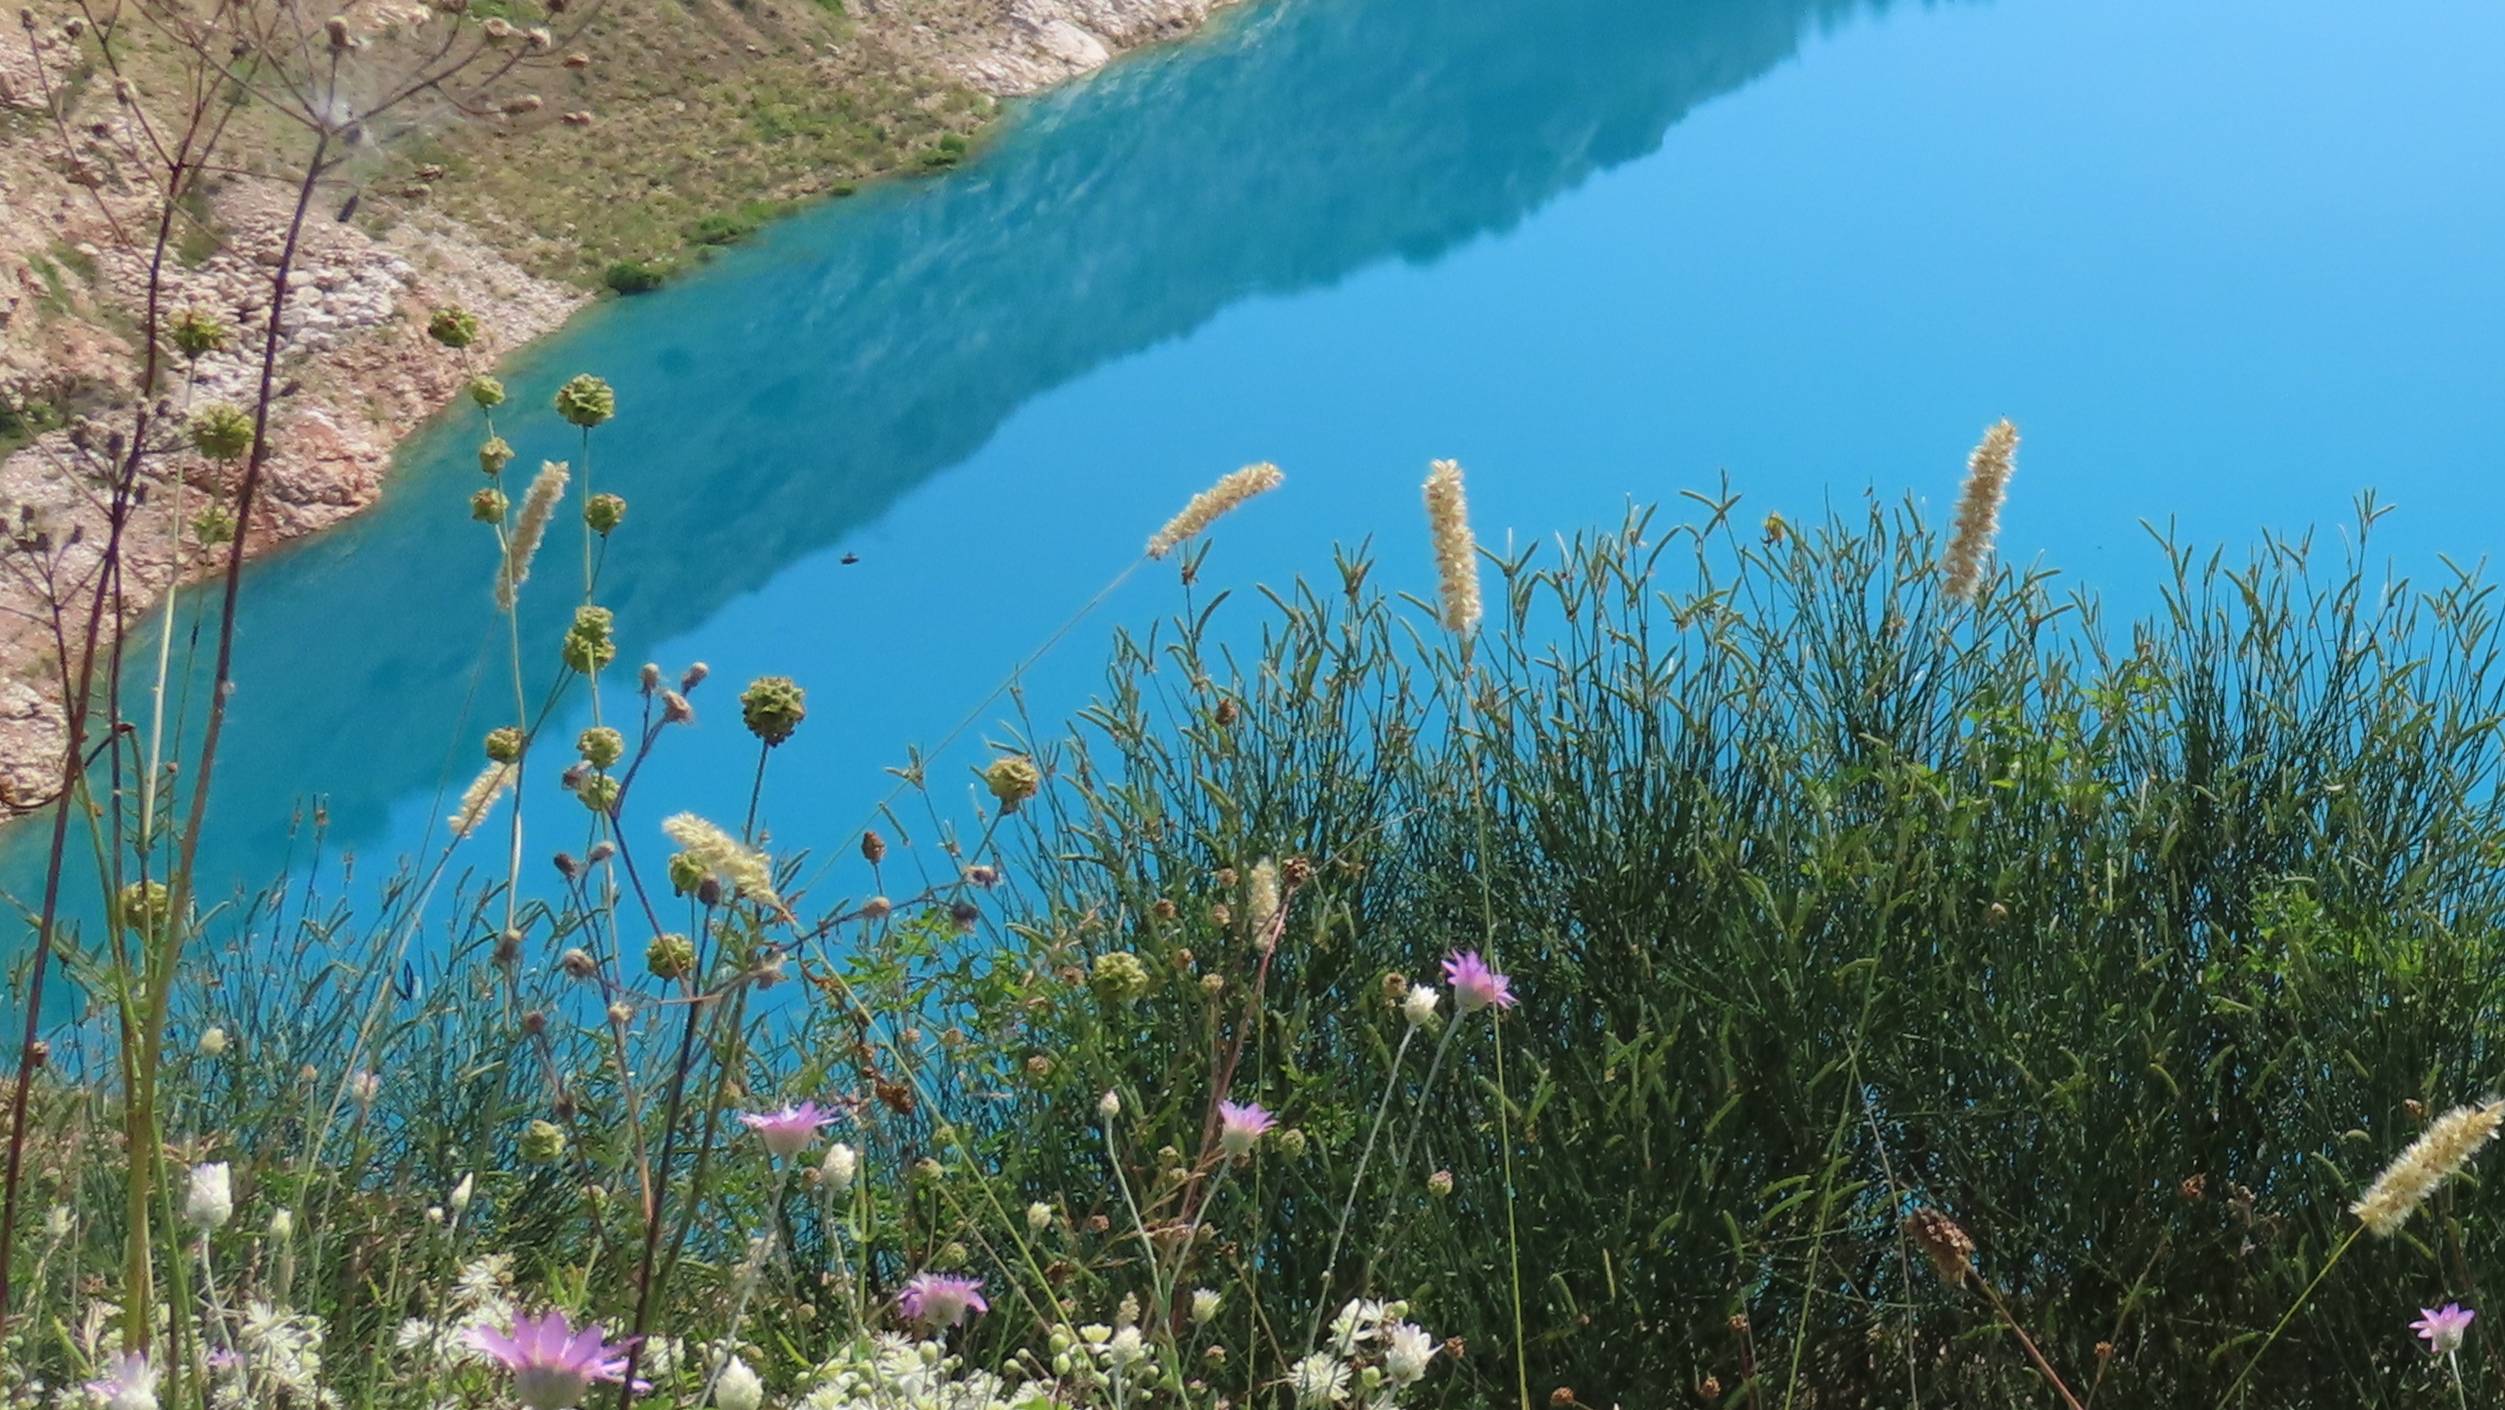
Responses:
[1033,44]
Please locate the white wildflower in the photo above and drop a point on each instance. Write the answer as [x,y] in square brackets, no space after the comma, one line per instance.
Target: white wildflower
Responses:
[1319,1379]
[210,1202]
[1406,1350]
[738,1388]
[1420,1005]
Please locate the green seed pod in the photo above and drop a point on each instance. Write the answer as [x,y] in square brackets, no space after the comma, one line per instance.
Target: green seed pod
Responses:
[588,644]
[487,392]
[1012,779]
[604,512]
[599,793]
[213,526]
[543,1143]
[670,956]
[488,506]
[601,746]
[773,706]
[504,744]
[453,327]
[494,454]
[221,431]
[1291,1142]
[142,907]
[1119,977]
[586,401]
[686,874]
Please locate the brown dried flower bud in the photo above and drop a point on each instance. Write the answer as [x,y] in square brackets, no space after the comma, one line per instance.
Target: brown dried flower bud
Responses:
[695,676]
[341,40]
[578,964]
[873,848]
[1947,1246]
[1163,910]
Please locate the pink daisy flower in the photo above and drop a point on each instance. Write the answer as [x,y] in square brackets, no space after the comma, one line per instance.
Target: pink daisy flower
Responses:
[1240,1124]
[792,1130]
[2443,1327]
[941,1299]
[553,1364]
[1474,985]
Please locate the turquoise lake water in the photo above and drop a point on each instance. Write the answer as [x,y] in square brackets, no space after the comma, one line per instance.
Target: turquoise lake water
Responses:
[2226,263]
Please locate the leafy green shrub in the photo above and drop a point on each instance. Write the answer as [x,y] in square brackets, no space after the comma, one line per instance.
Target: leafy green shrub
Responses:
[635,276]
[2135,948]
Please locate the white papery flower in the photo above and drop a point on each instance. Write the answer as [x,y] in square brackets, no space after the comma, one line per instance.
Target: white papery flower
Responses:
[839,1167]
[210,1201]
[1406,1350]
[1319,1379]
[738,1388]
[1357,1323]
[1419,1006]
[1124,1349]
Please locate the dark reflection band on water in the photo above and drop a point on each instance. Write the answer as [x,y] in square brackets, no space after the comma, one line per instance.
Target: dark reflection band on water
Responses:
[796,390]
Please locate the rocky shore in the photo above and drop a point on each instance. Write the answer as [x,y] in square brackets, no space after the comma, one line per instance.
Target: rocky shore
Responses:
[357,370]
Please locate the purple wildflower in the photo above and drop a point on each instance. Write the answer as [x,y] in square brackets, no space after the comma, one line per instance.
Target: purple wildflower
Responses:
[1240,1124]
[552,1363]
[941,1299]
[130,1385]
[1474,985]
[2443,1327]
[792,1130]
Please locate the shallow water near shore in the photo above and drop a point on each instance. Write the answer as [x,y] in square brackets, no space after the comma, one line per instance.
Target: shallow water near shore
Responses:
[2226,265]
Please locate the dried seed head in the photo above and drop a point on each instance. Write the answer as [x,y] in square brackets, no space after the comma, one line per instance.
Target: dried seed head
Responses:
[1979,510]
[2435,1157]
[481,795]
[539,505]
[1951,1252]
[1212,504]
[873,848]
[1456,551]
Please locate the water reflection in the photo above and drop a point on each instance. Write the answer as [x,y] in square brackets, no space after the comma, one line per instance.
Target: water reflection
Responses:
[796,390]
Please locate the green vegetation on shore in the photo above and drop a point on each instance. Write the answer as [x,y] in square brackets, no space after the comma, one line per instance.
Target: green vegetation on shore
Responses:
[704,121]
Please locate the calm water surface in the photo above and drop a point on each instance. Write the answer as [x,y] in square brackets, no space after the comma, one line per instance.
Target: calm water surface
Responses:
[2228,263]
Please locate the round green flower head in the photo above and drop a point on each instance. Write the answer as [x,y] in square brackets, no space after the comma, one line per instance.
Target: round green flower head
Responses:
[670,956]
[142,907]
[604,512]
[221,431]
[504,744]
[1013,779]
[197,334]
[1291,1143]
[1119,977]
[588,646]
[773,706]
[543,1142]
[488,506]
[213,526]
[494,454]
[586,401]
[686,873]
[487,392]
[599,793]
[601,746]
[453,327]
